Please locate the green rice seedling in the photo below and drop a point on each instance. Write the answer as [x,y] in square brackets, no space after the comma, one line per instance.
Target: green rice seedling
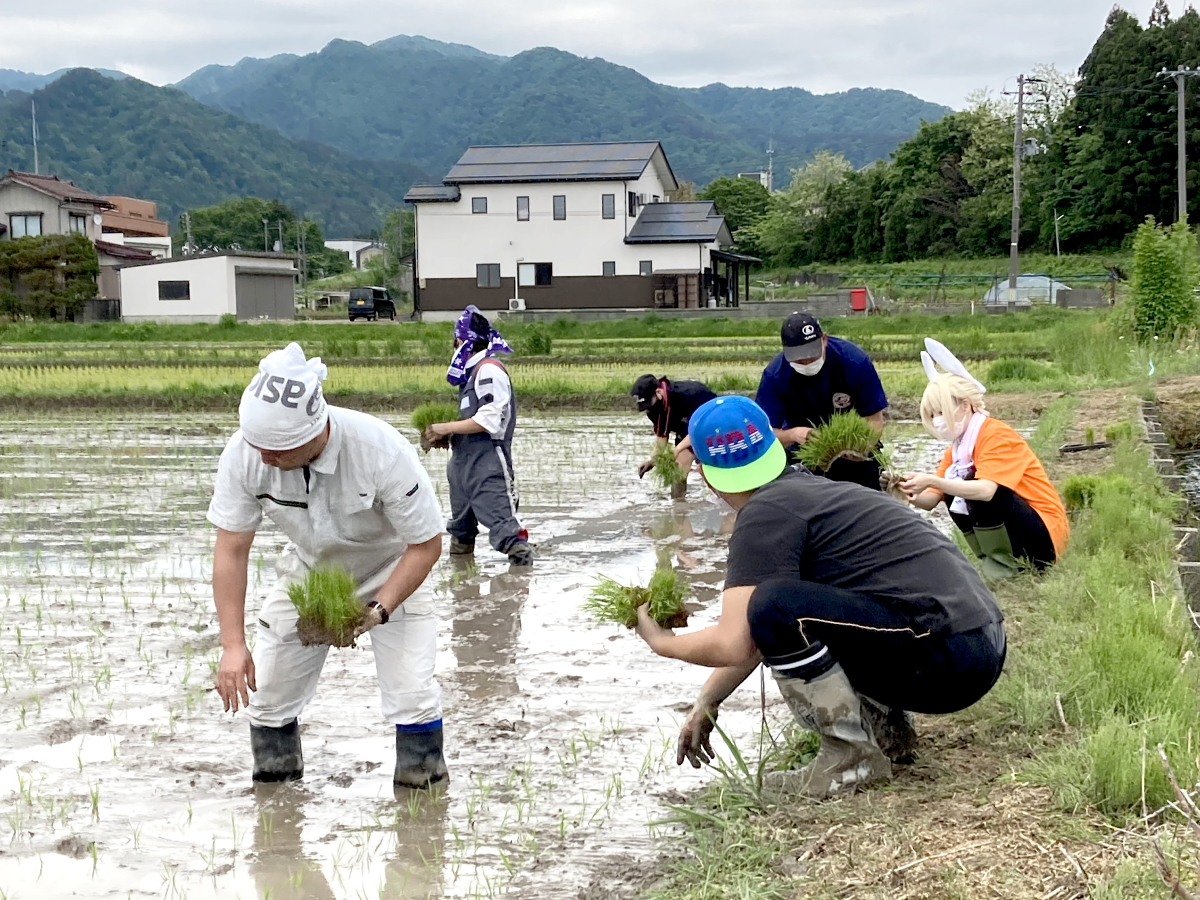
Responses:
[666,470]
[430,414]
[328,606]
[611,601]
[846,435]
[1080,491]
[1119,431]
[889,476]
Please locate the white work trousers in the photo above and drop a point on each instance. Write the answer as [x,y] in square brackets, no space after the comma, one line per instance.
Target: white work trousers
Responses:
[286,671]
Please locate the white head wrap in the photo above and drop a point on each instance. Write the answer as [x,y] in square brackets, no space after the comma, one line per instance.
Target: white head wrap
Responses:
[936,352]
[283,407]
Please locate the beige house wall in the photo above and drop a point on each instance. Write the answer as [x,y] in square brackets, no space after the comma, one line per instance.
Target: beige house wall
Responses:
[18,199]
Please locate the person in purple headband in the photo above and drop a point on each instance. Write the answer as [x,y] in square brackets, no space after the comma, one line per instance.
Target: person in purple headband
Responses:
[483,486]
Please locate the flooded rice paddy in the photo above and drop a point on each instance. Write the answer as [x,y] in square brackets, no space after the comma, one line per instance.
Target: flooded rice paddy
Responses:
[121,777]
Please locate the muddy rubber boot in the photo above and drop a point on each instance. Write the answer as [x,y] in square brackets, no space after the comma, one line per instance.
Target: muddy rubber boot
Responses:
[849,758]
[520,554]
[419,760]
[893,730]
[277,755]
[461,548]
[679,491]
[997,552]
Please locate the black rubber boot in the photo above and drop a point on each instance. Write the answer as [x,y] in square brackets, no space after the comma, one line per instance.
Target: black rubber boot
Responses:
[461,548]
[277,755]
[520,554]
[419,760]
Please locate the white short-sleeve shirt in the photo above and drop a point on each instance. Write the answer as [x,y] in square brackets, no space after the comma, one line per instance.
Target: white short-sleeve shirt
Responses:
[367,496]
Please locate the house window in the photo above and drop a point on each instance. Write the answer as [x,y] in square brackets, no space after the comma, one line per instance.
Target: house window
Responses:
[560,207]
[656,198]
[77,224]
[479,204]
[25,225]
[609,269]
[522,209]
[608,206]
[174,290]
[487,275]
[632,205]
[646,267]
[535,274]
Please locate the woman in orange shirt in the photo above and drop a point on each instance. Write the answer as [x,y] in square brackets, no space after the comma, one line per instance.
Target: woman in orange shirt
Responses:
[997,490]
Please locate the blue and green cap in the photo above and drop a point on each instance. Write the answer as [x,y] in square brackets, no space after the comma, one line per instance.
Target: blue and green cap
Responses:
[734,444]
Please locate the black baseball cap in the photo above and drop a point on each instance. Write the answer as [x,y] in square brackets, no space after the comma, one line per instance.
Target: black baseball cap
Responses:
[801,335]
[644,389]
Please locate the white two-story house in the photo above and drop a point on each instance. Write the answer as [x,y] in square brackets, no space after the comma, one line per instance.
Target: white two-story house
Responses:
[568,227]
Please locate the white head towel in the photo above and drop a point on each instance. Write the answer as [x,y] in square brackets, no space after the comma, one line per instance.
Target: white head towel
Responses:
[283,407]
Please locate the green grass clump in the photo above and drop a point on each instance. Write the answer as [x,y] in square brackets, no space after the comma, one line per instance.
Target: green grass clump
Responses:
[845,434]
[1119,431]
[611,601]
[328,605]
[430,413]
[666,470]
[1016,369]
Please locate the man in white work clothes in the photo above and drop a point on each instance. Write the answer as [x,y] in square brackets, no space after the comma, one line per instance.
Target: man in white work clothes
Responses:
[348,490]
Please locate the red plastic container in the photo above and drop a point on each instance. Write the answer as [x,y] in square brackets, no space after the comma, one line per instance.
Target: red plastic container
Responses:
[858,299]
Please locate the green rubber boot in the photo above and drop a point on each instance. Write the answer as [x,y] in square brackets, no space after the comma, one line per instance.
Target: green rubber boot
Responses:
[973,543]
[997,552]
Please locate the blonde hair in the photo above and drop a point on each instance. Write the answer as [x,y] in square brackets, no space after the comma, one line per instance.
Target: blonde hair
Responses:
[942,397]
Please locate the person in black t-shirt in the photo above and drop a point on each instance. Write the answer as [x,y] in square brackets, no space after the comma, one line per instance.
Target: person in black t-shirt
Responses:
[669,406]
[862,609]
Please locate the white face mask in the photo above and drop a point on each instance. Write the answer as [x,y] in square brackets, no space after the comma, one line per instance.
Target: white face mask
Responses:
[954,431]
[811,368]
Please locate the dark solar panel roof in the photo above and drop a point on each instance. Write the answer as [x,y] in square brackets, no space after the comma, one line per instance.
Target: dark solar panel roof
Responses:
[695,220]
[432,193]
[610,161]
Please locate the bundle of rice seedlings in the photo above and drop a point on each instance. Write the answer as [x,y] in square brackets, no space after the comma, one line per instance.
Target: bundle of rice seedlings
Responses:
[328,606]
[666,470]
[846,435]
[889,476]
[611,601]
[429,414]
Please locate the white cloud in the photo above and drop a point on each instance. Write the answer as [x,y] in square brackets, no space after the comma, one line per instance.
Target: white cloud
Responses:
[937,49]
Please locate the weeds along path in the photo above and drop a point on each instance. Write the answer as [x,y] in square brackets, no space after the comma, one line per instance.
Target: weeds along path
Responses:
[1050,786]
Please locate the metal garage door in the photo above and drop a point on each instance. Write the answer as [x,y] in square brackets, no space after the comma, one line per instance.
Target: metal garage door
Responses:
[264,296]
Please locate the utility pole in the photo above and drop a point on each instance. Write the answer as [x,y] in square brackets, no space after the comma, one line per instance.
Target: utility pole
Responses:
[1014,252]
[187,227]
[1181,137]
[770,165]
[33,114]
[266,238]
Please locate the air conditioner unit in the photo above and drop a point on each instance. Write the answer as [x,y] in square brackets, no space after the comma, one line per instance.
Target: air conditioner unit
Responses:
[516,304]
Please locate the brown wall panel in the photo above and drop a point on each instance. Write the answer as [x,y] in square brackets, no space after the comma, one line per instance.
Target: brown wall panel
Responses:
[580,292]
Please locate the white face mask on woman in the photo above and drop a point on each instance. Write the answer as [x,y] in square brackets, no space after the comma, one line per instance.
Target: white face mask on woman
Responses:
[953,431]
[811,368]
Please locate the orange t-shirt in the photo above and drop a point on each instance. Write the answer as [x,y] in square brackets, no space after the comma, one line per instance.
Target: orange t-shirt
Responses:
[1002,456]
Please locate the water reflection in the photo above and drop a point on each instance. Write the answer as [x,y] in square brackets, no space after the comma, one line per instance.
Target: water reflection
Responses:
[278,865]
[414,871]
[486,612]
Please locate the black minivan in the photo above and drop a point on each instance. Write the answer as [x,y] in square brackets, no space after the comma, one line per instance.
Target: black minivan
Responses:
[371,303]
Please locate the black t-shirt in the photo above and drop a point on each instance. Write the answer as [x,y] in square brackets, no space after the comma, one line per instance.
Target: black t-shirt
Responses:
[859,540]
[683,399]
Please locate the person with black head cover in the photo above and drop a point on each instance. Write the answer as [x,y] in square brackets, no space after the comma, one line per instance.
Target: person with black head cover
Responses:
[814,377]
[669,406]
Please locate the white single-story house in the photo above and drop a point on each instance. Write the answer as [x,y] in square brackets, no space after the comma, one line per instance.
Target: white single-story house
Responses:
[359,251]
[252,286]
[569,226]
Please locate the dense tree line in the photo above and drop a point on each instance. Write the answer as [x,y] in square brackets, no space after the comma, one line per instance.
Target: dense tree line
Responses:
[1099,157]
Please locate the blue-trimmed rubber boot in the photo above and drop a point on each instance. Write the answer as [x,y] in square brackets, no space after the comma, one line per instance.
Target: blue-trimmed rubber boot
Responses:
[419,760]
[277,754]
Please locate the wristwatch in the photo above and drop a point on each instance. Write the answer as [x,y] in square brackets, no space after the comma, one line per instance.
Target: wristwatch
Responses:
[383,613]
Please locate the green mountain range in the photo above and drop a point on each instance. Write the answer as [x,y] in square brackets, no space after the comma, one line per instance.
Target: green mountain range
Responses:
[132,138]
[422,100]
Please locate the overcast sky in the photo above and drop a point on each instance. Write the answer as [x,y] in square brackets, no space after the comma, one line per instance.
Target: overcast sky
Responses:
[940,50]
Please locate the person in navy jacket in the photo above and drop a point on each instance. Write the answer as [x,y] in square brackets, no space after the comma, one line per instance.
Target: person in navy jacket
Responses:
[813,377]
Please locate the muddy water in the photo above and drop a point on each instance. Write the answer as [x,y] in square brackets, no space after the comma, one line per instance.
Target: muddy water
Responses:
[121,777]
